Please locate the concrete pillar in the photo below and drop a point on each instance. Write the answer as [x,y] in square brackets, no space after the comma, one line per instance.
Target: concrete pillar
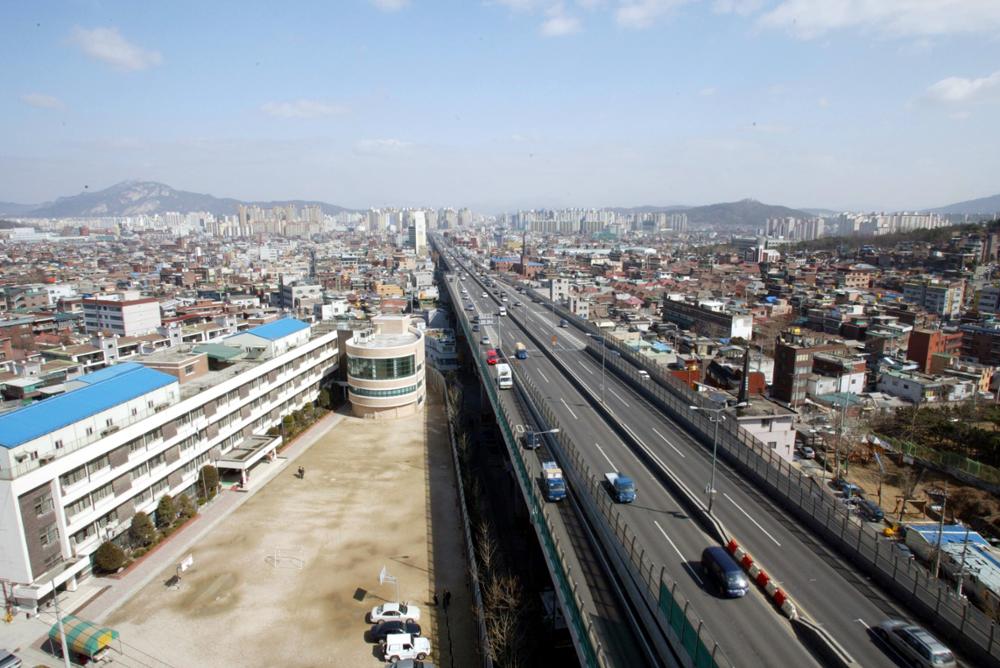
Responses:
[71,584]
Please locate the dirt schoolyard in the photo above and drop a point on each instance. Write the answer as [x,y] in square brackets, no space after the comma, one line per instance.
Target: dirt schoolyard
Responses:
[374,494]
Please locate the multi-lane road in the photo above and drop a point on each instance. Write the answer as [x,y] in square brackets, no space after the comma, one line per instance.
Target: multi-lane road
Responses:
[827,590]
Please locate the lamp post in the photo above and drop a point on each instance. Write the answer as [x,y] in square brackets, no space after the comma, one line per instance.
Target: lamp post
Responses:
[604,347]
[716,418]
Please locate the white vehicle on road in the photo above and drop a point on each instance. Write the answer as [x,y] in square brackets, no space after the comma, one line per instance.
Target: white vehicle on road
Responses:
[404,646]
[393,611]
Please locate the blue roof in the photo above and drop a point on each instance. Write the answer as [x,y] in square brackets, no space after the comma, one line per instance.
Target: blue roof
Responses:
[102,390]
[951,533]
[278,329]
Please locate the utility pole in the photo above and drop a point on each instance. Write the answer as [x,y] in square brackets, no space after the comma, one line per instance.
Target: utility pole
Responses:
[59,622]
[944,507]
[961,569]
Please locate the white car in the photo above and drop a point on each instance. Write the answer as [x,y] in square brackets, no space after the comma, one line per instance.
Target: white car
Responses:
[404,646]
[393,611]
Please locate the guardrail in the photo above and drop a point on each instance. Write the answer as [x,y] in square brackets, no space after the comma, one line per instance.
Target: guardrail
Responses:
[581,628]
[671,612]
[954,618]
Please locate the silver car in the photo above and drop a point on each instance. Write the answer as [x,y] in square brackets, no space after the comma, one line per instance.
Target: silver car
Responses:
[915,644]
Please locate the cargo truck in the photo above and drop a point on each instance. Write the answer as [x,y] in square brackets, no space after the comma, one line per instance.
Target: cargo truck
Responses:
[622,488]
[505,379]
[555,486]
[520,352]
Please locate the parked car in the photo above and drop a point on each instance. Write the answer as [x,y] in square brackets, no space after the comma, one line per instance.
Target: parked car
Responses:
[643,374]
[807,452]
[915,644]
[404,646]
[871,511]
[393,611]
[9,659]
[904,550]
[848,488]
[411,663]
[382,630]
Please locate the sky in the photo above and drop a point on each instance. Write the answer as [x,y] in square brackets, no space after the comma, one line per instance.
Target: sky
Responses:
[506,104]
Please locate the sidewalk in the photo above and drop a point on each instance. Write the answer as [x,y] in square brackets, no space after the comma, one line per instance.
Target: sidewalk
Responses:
[98,597]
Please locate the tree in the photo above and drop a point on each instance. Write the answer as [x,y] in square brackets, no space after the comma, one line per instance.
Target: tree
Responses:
[185,507]
[109,557]
[141,531]
[325,400]
[166,511]
[208,482]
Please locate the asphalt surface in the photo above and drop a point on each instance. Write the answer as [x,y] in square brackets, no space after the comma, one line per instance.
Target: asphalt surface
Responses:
[825,588]
[749,630]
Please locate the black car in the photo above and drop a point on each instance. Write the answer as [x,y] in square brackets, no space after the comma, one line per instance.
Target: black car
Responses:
[383,629]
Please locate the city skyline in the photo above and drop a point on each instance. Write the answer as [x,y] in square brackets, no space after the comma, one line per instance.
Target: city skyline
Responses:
[510,104]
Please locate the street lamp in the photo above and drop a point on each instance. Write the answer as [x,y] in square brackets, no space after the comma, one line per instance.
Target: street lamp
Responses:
[533,437]
[716,417]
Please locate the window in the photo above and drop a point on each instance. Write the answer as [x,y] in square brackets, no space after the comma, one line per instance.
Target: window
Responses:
[43,504]
[109,422]
[189,369]
[90,431]
[381,369]
[99,464]
[59,443]
[102,493]
[77,507]
[49,536]
[74,476]
[397,392]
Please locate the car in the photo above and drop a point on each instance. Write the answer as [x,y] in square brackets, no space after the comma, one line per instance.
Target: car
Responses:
[915,644]
[643,374]
[379,632]
[404,646]
[9,659]
[848,488]
[411,663]
[518,304]
[904,550]
[475,327]
[485,296]
[504,298]
[393,610]
[807,452]
[532,440]
[871,511]
[470,307]
[485,341]
[724,573]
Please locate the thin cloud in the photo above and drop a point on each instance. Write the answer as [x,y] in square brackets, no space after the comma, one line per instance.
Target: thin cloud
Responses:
[390,5]
[808,19]
[740,7]
[644,13]
[707,91]
[302,108]
[42,101]
[380,146]
[961,89]
[109,46]
[558,23]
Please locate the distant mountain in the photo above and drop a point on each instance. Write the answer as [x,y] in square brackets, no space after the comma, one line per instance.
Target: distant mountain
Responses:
[982,205]
[12,209]
[649,209]
[132,198]
[745,213]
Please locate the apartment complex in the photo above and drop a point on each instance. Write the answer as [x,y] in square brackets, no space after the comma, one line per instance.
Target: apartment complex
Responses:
[75,468]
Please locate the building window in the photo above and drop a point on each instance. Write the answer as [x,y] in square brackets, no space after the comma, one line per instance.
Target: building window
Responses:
[396,392]
[77,507]
[43,504]
[74,476]
[59,444]
[381,369]
[189,369]
[90,431]
[49,536]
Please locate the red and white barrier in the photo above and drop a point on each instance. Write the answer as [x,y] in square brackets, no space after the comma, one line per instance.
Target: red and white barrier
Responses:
[762,579]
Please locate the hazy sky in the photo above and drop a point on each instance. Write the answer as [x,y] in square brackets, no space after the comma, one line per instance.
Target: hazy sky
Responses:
[507,103]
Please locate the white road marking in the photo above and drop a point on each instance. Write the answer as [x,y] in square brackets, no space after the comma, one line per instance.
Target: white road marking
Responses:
[738,507]
[683,560]
[619,397]
[580,362]
[667,442]
[610,463]
[542,375]
[568,408]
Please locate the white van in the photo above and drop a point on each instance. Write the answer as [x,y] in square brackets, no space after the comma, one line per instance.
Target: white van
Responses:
[502,311]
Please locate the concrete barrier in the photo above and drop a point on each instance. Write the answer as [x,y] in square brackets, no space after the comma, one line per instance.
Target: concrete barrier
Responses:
[762,580]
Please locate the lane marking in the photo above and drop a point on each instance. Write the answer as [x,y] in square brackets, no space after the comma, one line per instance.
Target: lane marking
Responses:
[667,442]
[619,397]
[683,560]
[738,507]
[611,463]
[542,375]
[568,408]
[580,362]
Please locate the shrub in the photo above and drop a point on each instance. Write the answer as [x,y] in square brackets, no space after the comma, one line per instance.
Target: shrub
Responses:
[109,557]
[142,532]
[166,511]
[208,481]
[185,507]
[139,551]
[325,400]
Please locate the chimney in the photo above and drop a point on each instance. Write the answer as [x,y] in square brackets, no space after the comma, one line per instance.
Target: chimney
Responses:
[744,395]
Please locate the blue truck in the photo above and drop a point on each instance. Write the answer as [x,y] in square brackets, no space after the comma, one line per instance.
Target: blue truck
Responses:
[622,488]
[555,485]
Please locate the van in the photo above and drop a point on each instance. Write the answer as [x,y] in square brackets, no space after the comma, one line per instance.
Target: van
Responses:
[724,573]
[916,645]
[871,511]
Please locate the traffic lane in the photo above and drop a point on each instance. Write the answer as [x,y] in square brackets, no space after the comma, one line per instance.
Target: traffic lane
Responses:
[803,565]
[675,541]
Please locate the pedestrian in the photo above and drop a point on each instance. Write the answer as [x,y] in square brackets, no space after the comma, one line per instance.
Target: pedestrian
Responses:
[435,599]
[447,599]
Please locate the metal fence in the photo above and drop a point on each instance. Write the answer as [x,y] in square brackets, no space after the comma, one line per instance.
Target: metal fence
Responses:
[581,628]
[672,612]
[944,459]
[952,616]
